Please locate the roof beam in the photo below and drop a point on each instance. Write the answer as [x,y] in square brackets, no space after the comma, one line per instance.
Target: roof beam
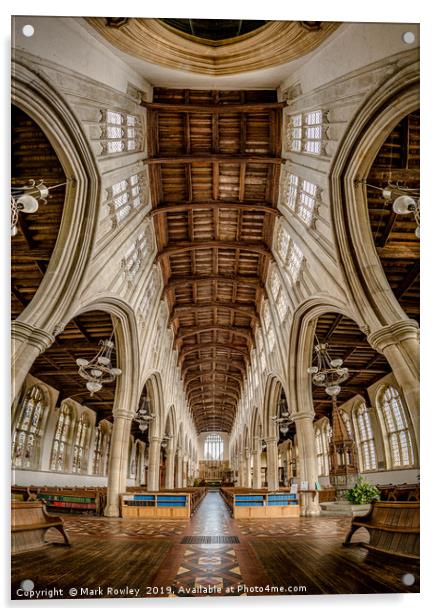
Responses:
[193,348]
[212,107]
[219,362]
[163,208]
[184,332]
[245,309]
[176,281]
[175,248]
[201,375]
[215,158]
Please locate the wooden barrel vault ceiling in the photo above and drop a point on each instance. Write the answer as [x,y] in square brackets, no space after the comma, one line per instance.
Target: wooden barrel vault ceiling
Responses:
[214,165]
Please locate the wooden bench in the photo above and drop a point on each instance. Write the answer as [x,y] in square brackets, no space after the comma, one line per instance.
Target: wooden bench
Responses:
[29,524]
[394,528]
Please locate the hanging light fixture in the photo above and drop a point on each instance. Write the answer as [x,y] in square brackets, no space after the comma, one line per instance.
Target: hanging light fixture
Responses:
[405,200]
[327,372]
[144,415]
[283,417]
[27,199]
[98,370]
[165,440]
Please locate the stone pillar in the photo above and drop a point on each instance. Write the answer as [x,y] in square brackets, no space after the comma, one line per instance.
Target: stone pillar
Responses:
[118,461]
[179,469]
[272,462]
[27,344]
[308,464]
[169,481]
[140,465]
[154,463]
[257,465]
[185,471]
[400,344]
[242,479]
[247,458]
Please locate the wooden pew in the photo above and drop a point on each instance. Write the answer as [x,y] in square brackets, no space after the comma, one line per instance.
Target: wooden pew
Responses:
[29,524]
[394,528]
[72,499]
[195,496]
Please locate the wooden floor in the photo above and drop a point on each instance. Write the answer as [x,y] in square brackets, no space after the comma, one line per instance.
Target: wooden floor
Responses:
[210,555]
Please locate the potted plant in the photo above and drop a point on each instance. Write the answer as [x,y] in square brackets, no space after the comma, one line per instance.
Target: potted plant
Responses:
[362,493]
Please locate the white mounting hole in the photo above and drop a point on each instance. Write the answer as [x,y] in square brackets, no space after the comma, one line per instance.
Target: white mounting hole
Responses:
[408,579]
[28,30]
[408,37]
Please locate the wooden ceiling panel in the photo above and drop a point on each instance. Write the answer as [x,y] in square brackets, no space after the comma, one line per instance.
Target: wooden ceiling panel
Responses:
[347,342]
[215,220]
[394,235]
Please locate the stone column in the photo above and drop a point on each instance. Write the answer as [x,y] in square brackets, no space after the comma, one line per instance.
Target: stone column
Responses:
[154,463]
[118,461]
[179,469]
[184,477]
[400,344]
[256,465]
[247,468]
[141,464]
[169,480]
[27,344]
[272,462]
[242,479]
[308,465]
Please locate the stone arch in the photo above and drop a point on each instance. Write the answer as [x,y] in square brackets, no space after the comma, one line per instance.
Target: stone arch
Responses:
[366,283]
[65,276]
[301,347]
[272,391]
[128,351]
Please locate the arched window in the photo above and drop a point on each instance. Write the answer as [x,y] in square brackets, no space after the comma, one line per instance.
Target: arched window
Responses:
[97,451]
[106,451]
[366,443]
[27,433]
[399,438]
[58,461]
[80,448]
[214,447]
[290,254]
[321,437]
[348,425]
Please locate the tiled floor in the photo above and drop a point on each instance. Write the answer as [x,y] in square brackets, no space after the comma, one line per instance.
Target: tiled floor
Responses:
[297,556]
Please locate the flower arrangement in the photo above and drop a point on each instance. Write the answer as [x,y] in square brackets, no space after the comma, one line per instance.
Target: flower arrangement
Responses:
[362,493]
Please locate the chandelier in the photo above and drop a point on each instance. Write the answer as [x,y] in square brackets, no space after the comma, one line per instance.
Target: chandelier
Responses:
[27,199]
[144,415]
[405,200]
[165,440]
[327,372]
[98,370]
[283,417]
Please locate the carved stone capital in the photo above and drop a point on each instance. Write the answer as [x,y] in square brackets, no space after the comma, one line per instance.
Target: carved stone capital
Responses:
[395,333]
[123,414]
[23,332]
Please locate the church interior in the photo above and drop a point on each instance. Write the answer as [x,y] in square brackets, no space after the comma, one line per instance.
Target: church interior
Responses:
[215,273]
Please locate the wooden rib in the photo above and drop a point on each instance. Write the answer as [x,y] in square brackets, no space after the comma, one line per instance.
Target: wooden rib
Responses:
[175,281]
[175,248]
[247,310]
[184,332]
[193,348]
[202,375]
[186,366]
[211,158]
[213,108]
